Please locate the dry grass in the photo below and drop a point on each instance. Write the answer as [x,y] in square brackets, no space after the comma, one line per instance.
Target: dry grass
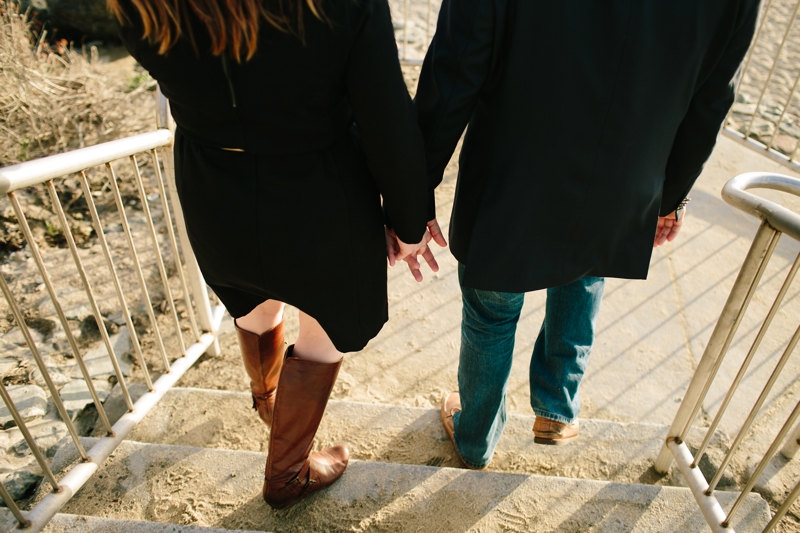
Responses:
[55,98]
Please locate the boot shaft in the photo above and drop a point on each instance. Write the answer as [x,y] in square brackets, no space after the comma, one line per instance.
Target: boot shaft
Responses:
[303,391]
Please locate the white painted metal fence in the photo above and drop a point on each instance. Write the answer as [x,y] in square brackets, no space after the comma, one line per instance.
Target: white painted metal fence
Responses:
[766,114]
[776,220]
[415,24]
[194,296]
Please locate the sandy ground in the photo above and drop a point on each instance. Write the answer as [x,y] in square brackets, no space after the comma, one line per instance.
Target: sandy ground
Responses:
[651,333]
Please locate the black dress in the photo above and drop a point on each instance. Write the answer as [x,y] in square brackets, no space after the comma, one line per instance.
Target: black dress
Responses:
[296,215]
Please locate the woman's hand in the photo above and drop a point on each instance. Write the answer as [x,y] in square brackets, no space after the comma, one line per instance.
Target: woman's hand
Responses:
[397,250]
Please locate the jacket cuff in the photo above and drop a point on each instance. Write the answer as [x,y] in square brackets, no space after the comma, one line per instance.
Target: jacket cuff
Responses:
[431,205]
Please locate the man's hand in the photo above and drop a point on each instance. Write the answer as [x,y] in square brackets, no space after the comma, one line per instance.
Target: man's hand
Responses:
[668,228]
[397,250]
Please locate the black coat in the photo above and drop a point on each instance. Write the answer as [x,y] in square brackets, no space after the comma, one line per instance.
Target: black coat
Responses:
[586,120]
[296,215]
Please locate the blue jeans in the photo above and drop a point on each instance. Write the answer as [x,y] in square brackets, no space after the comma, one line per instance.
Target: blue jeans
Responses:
[560,355]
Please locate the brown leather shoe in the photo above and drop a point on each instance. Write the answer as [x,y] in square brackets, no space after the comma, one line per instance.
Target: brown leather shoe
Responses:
[553,432]
[291,473]
[263,357]
[450,406]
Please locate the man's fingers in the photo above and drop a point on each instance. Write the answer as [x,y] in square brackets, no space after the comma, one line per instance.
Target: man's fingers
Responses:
[412,261]
[430,259]
[391,252]
[415,271]
[674,230]
[436,233]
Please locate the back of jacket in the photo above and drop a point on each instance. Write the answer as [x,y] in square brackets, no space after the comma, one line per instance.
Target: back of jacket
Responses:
[295,97]
[587,118]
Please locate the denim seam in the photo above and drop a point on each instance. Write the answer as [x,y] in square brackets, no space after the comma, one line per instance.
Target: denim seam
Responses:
[552,416]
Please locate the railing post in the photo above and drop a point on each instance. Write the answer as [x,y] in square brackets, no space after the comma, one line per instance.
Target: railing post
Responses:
[725,328]
[196,281]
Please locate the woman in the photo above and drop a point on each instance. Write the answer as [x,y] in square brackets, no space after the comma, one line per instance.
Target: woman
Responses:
[282,203]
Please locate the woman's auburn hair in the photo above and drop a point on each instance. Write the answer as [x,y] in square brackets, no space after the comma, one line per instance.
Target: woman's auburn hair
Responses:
[232,24]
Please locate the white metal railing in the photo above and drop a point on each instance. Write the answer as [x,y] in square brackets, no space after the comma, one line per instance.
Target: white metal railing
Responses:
[415,23]
[776,220]
[770,78]
[195,297]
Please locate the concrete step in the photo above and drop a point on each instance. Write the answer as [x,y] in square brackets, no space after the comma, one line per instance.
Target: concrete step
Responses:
[185,485]
[68,523]
[605,450]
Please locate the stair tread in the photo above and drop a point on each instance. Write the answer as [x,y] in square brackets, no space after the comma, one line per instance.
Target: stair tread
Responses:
[608,450]
[221,488]
[67,523]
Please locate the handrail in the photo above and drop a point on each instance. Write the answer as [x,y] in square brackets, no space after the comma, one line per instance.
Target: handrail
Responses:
[780,218]
[38,171]
[775,221]
[40,515]
[195,296]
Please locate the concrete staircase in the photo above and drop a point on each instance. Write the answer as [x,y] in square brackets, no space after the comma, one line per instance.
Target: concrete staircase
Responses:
[197,460]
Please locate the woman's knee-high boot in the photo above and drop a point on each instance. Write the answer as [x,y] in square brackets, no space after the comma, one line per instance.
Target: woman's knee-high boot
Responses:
[292,472]
[263,356]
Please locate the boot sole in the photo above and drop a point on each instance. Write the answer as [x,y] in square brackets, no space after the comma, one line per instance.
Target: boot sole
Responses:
[553,442]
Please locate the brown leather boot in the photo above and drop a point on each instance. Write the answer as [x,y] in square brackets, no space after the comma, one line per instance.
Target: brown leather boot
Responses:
[291,473]
[263,357]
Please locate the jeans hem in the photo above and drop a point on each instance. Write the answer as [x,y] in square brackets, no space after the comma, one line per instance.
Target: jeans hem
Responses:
[552,416]
[461,456]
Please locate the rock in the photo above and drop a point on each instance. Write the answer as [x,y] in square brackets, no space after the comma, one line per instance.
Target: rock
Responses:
[73,302]
[30,400]
[98,361]
[75,18]
[58,378]
[785,144]
[7,520]
[14,336]
[761,128]
[6,364]
[46,435]
[115,405]
[76,396]
[20,483]
[58,343]
[18,353]
[744,108]
[117,318]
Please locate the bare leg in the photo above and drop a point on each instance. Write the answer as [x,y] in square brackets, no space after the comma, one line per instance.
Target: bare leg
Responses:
[264,317]
[313,343]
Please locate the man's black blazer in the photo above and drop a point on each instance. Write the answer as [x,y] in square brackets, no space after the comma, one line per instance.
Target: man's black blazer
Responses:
[587,118]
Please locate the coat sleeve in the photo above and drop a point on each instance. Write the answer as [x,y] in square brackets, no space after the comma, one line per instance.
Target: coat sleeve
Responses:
[456,68]
[387,123]
[708,108]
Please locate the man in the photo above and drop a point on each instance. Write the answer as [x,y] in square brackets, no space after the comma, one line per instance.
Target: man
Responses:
[589,122]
